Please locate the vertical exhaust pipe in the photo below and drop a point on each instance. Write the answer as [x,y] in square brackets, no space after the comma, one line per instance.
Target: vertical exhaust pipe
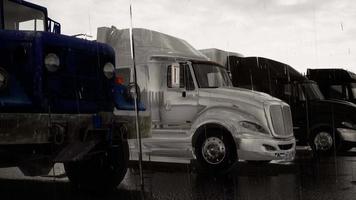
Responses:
[138,133]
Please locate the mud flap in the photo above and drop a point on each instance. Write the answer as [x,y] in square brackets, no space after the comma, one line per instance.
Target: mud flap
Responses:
[76,151]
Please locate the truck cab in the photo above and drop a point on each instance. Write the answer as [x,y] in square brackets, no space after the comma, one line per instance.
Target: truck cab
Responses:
[56,100]
[325,125]
[194,112]
[335,83]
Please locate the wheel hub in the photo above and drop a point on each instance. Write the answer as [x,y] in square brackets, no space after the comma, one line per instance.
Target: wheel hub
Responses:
[323,141]
[213,150]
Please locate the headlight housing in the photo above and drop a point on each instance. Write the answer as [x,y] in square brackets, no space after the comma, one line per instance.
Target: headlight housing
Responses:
[3,78]
[52,62]
[253,127]
[109,70]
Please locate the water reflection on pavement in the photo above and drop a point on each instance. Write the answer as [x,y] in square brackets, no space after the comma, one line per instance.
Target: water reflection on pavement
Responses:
[306,178]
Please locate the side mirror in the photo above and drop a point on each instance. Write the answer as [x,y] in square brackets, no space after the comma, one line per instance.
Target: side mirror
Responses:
[131,92]
[57,28]
[54,27]
[175,75]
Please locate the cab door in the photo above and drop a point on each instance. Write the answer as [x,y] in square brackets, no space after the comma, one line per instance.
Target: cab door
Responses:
[177,111]
[180,103]
[294,96]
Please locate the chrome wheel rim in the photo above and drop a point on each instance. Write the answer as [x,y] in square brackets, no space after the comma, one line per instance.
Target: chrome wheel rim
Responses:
[323,141]
[213,150]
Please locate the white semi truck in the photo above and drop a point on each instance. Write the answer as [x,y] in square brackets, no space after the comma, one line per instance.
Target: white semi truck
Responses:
[191,110]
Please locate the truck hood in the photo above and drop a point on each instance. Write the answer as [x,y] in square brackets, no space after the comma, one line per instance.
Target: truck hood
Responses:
[235,95]
[341,110]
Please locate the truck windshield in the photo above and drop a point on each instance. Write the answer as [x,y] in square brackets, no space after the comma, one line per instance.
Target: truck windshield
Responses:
[312,91]
[211,76]
[353,89]
[21,17]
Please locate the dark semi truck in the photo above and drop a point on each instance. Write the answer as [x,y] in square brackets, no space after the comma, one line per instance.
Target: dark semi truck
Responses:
[326,125]
[335,83]
[57,100]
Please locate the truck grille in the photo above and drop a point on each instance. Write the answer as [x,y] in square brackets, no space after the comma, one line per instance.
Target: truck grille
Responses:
[281,120]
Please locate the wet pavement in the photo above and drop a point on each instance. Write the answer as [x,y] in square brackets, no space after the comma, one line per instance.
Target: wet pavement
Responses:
[305,178]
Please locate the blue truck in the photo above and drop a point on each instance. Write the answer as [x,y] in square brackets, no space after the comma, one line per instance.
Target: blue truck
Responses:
[57,100]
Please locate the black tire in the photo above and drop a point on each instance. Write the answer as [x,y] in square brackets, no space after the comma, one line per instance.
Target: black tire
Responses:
[222,164]
[323,142]
[102,172]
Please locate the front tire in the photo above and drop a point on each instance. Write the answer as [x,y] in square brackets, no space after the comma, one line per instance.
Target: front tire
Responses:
[323,141]
[215,151]
[101,172]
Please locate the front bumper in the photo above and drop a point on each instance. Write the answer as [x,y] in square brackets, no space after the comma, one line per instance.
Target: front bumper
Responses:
[347,135]
[258,148]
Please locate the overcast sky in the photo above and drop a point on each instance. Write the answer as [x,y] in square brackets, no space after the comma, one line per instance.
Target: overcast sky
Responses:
[301,33]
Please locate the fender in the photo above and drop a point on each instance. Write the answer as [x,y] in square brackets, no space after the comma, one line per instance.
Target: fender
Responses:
[227,117]
[320,125]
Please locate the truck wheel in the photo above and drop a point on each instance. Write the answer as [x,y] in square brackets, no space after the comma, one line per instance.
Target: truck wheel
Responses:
[322,141]
[215,151]
[101,172]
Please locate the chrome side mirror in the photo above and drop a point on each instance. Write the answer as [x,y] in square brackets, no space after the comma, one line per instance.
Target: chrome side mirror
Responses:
[175,75]
[131,92]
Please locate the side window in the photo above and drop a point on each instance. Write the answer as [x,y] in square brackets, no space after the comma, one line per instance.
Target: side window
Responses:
[347,96]
[335,91]
[190,82]
[30,20]
[185,76]
[287,93]
[30,25]
[287,90]
[300,93]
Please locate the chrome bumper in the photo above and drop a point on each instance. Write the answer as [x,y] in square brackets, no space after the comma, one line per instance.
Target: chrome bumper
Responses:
[258,148]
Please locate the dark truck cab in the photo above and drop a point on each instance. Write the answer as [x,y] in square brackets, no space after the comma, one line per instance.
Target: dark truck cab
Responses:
[57,100]
[335,83]
[321,123]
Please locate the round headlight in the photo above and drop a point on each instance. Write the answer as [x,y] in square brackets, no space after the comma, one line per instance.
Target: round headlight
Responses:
[109,70]
[3,78]
[52,62]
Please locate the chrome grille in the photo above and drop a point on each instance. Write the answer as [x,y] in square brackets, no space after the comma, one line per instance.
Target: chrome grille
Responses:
[281,120]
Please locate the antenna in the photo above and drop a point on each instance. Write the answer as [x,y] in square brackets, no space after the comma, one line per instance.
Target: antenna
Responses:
[138,133]
[89,24]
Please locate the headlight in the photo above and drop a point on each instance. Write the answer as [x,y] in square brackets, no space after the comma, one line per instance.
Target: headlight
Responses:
[253,127]
[52,62]
[349,125]
[109,70]
[3,78]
